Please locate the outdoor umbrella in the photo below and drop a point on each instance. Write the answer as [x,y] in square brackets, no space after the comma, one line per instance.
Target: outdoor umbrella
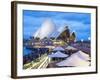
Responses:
[70,48]
[73,60]
[58,54]
[82,55]
[58,49]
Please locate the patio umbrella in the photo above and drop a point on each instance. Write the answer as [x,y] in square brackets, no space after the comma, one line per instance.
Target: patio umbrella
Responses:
[70,48]
[58,54]
[82,55]
[73,60]
[58,49]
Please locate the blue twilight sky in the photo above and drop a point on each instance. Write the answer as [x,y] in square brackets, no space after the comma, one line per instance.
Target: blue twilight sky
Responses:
[80,23]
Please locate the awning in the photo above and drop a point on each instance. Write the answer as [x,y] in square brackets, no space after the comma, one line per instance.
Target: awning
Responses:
[58,54]
[73,60]
[82,55]
[70,48]
[58,49]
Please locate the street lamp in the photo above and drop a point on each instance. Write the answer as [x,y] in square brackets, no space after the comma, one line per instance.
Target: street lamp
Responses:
[82,42]
[89,38]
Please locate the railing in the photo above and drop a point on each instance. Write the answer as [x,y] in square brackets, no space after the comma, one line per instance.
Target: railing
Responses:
[45,63]
[41,62]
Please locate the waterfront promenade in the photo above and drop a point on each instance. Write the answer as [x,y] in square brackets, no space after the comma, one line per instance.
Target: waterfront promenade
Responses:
[45,61]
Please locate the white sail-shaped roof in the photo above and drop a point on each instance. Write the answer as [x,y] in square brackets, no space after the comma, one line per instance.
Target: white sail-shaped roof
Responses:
[58,31]
[37,34]
[58,54]
[46,29]
[55,34]
[73,60]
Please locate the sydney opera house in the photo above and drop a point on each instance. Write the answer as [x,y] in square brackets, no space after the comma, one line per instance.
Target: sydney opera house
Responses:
[48,30]
[52,47]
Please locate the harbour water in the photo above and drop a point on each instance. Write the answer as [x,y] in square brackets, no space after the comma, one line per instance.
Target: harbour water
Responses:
[26,51]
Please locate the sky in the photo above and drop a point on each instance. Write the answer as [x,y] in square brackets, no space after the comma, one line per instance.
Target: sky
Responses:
[80,23]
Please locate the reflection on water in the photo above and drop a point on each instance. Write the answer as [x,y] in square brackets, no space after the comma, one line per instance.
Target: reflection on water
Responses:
[30,54]
[26,51]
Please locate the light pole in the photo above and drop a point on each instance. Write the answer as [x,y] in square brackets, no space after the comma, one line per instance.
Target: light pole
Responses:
[82,42]
[89,38]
